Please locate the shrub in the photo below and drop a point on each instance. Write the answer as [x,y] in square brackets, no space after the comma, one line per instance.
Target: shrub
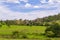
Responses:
[0,25]
[15,34]
[23,34]
[53,30]
[50,34]
[8,25]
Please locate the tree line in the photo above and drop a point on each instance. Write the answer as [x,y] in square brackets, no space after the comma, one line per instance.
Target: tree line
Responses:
[35,22]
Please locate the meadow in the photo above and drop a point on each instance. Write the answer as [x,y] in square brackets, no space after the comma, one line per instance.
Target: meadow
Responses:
[29,32]
[32,31]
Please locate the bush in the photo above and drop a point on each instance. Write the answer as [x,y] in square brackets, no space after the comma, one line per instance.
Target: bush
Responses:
[50,34]
[23,34]
[53,30]
[15,34]
[46,24]
[0,25]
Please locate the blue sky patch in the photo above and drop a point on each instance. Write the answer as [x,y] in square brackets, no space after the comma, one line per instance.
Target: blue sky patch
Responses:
[20,7]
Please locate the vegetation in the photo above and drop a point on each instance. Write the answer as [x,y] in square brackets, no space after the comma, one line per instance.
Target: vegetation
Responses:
[47,27]
[53,30]
[22,32]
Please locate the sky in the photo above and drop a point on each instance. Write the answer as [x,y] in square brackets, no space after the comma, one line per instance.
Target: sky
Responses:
[28,9]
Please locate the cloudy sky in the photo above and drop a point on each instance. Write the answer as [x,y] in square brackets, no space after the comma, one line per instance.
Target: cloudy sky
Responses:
[28,9]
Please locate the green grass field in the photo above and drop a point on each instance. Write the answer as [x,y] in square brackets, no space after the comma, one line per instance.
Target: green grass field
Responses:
[7,30]
[33,32]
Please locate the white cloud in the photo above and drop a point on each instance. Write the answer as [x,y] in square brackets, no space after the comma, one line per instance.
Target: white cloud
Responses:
[28,5]
[5,13]
[56,0]
[11,1]
[24,0]
[50,1]
[43,1]
[36,6]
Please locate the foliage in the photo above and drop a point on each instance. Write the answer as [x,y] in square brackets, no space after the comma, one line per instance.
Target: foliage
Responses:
[0,25]
[15,34]
[22,32]
[53,30]
[32,28]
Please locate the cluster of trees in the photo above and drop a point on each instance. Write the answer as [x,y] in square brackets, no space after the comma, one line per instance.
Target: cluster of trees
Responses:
[36,22]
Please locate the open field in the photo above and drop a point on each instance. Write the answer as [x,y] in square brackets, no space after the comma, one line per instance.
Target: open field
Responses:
[31,29]
[33,32]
